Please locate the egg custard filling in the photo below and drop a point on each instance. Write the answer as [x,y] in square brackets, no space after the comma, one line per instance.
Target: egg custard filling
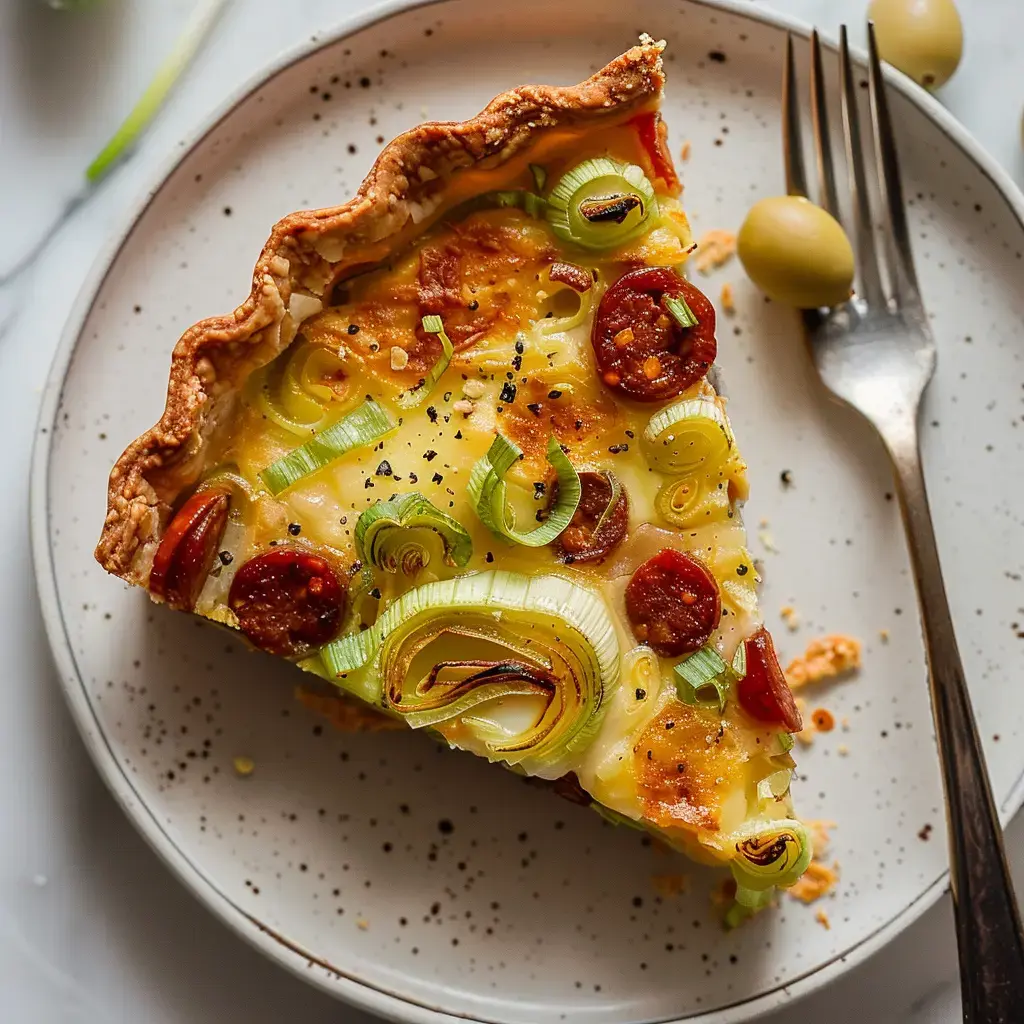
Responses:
[460,458]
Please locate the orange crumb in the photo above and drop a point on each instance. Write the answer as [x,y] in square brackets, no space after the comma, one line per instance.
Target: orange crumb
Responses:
[791,617]
[825,658]
[823,720]
[684,153]
[724,893]
[820,838]
[670,885]
[822,918]
[623,338]
[345,714]
[728,300]
[883,635]
[651,367]
[715,248]
[818,880]
[362,924]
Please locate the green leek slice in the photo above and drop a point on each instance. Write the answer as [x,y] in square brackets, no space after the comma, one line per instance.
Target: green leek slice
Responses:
[601,204]
[511,667]
[489,493]
[689,435]
[770,854]
[414,396]
[560,324]
[692,500]
[704,679]
[390,534]
[359,427]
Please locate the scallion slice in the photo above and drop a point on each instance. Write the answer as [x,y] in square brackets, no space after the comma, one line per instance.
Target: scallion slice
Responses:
[359,427]
[601,204]
[196,30]
[704,679]
[689,435]
[489,493]
[680,311]
[540,177]
[390,534]
[414,396]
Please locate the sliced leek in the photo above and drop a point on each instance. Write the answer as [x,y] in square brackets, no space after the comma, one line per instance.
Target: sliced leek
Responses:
[559,324]
[601,204]
[414,396]
[511,667]
[360,427]
[489,493]
[393,535]
[693,500]
[770,854]
[704,679]
[291,391]
[689,435]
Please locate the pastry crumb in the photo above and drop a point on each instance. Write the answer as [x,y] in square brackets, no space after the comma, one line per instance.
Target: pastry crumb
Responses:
[362,924]
[465,406]
[817,881]
[684,153]
[715,248]
[826,657]
[820,829]
[728,299]
[791,617]
[244,766]
[883,635]
[474,389]
[399,358]
[843,750]
[764,535]
[822,918]
[669,885]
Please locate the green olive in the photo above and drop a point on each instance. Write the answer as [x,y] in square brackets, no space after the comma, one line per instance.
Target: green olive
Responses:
[923,38]
[796,253]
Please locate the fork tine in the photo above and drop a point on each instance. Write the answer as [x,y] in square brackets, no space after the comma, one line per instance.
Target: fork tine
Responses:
[792,143]
[822,141]
[867,257]
[901,258]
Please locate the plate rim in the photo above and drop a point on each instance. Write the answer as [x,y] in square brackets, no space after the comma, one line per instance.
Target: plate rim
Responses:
[336,982]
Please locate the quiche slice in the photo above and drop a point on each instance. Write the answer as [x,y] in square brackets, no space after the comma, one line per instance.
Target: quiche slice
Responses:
[458,455]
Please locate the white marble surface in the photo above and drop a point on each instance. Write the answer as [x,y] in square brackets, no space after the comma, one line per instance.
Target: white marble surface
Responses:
[93,929]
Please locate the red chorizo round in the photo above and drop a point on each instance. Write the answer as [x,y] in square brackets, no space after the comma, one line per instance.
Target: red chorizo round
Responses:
[189,545]
[642,352]
[581,540]
[288,601]
[673,603]
[763,691]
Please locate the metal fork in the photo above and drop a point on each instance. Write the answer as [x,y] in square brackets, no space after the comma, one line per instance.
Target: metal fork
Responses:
[877,354]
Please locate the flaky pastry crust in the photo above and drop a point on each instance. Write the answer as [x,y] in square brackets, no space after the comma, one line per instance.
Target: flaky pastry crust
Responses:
[309,251]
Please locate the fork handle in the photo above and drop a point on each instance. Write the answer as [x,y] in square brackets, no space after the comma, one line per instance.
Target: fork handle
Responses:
[988,925]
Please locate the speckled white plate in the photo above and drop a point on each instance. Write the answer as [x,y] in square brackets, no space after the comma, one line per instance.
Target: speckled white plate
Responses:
[425,885]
